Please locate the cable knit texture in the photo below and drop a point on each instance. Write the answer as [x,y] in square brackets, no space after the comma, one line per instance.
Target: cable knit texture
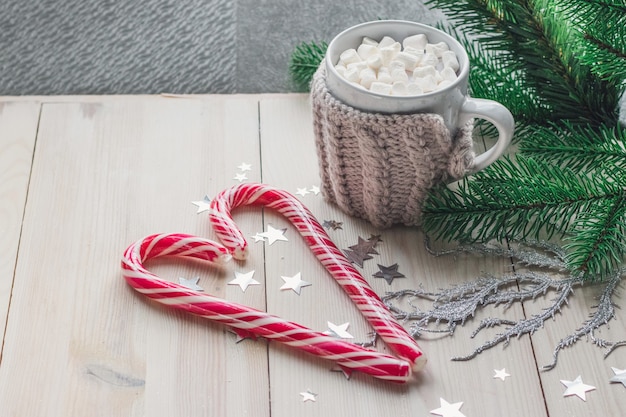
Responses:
[379,167]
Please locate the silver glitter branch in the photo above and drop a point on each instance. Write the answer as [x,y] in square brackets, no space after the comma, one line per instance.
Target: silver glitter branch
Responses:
[453,306]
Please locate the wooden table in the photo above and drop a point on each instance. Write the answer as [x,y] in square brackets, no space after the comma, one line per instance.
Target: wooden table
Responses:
[83,177]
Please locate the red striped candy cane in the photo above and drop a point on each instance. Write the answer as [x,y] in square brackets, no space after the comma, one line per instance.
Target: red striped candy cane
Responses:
[368,302]
[241,317]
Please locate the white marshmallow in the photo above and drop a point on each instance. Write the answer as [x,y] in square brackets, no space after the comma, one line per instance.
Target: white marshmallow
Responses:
[359,66]
[375,61]
[423,72]
[394,65]
[367,77]
[414,90]
[386,41]
[448,74]
[369,41]
[437,48]
[416,41]
[341,70]
[384,76]
[381,88]
[427,84]
[352,75]
[388,53]
[410,61]
[366,51]
[349,56]
[399,88]
[449,59]
[399,75]
[429,59]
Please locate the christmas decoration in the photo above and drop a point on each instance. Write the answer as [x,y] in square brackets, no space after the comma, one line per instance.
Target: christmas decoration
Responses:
[192,284]
[448,410]
[332,224]
[362,251]
[577,388]
[203,205]
[359,291]
[308,396]
[295,283]
[501,374]
[240,176]
[559,66]
[620,376]
[388,273]
[249,321]
[546,273]
[243,167]
[340,331]
[244,280]
[272,235]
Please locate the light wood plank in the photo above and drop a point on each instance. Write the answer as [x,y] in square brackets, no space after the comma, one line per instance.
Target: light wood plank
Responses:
[289,162]
[583,358]
[79,340]
[18,130]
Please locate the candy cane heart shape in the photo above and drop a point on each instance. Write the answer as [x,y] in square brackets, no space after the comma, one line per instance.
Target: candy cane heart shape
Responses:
[249,320]
[335,262]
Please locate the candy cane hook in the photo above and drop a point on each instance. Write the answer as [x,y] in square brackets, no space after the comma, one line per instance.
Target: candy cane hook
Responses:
[250,320]
[368,302]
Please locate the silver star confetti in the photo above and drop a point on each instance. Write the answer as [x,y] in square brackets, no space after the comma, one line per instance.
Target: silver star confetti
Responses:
[339,330]
[294,283]
[192,283]
[620,376]
[308,396]
[332,224]
[577,388]
[244,167]
[258,238]
[500,373]
[302,191]
[388,273]
[315,189]
[203,205]
[240,176]
[244,280]
[272,235]
[448,410]
[243,335]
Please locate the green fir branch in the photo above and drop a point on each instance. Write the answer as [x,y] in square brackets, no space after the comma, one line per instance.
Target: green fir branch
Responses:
[579,148]
[304,61]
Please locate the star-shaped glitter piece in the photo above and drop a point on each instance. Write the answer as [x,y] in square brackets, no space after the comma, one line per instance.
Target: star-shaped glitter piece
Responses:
[192,283]
[332,224]
[244,280]
[347,372]
[315,189]
[302,191]
[240,176]
[339,330]
[577,388]
[308,396]
[448,410]
[203,205]
[388,273]
[258,238]
[242,335]
[272,235]
[365,246]
[294,283]
[620,376]
[500,373]
[244,167]
[356,258]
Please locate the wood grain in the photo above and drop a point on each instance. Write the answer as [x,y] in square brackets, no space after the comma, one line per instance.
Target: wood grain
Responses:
[108,171]
[18,130]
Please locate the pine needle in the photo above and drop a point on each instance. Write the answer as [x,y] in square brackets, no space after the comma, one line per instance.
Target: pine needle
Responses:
[304,61]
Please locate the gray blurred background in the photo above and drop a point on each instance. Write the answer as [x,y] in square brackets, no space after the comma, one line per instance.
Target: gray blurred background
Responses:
[170,46]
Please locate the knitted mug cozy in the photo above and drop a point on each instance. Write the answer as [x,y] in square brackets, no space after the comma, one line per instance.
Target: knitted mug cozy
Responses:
[380,167]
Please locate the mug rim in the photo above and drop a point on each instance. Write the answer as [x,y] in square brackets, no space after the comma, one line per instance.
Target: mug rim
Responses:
[463,60]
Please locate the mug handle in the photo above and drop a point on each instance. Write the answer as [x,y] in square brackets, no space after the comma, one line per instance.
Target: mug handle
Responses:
[500,117]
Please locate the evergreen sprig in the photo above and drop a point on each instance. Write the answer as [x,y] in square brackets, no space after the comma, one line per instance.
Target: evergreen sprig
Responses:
[304,61]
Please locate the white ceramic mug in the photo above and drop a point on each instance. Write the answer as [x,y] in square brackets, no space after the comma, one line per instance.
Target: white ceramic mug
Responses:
[451,102]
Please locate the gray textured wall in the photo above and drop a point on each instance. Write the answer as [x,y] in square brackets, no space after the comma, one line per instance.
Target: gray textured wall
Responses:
[173,46]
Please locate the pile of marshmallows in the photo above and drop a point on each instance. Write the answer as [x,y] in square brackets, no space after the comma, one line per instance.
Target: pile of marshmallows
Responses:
[387,67]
